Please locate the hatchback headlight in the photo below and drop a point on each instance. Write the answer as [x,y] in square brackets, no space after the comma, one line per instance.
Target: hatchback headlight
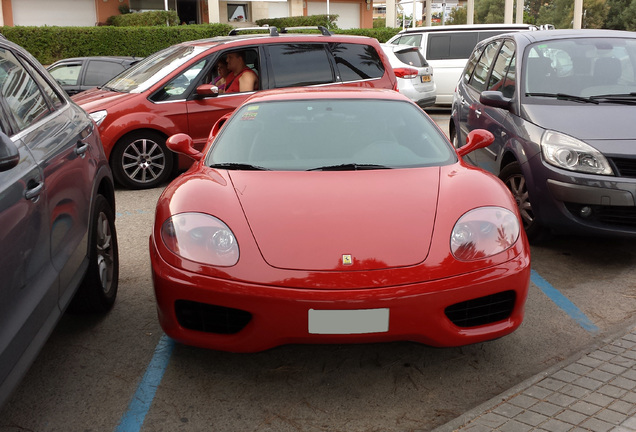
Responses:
[564,151]
[484,232]
[98,116]
[201,238]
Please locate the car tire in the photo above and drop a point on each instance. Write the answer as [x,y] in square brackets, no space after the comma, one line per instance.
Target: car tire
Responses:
[141,160]
[515,181]
[98,290]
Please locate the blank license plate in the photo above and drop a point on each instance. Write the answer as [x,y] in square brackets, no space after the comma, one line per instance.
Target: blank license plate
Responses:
[358,321]
[426,78]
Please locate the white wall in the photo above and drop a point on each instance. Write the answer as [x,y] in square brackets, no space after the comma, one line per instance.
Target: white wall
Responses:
[59,12]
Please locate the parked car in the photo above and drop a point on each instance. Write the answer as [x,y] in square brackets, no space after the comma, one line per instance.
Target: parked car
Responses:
[82,73]
[171,92]
[58,245]
[414,74]
[321,224]
[560,104]
[447,49]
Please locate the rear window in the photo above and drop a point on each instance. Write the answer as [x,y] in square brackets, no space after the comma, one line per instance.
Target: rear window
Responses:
[357,62]
[412,57]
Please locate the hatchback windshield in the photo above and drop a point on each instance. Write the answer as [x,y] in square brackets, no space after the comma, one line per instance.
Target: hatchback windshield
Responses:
[581,70]
[330,134]
[152,69]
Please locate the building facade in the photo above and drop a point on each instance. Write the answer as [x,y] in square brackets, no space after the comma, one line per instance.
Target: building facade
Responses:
[351,13]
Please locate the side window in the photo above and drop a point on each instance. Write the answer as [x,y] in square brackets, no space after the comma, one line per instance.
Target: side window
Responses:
[25,100]
[53,97]
[357,62]
[67,73]
[501,66]
[178,87]
[472,62]
[450,45]
[300,65]
[408,39]
[98,72]
[510,83]
[482,69]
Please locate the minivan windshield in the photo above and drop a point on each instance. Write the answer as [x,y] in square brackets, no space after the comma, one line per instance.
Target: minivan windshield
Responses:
[152,69]
[329,135]
[582,70]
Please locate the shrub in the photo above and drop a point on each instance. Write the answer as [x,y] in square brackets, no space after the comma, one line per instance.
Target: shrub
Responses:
[145,19]
[301,21]
[49,44]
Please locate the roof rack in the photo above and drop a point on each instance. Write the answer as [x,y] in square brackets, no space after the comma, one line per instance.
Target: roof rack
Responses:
[323,30]
[273,31]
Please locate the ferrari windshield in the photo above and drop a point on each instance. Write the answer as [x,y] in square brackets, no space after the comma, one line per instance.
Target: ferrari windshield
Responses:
[152,69]
[329,134]
[582,70]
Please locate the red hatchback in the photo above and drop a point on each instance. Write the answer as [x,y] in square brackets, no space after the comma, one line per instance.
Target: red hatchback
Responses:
[335,216]
[175,91]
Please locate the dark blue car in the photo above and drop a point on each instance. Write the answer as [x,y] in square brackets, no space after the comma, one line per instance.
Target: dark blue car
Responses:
[561,104]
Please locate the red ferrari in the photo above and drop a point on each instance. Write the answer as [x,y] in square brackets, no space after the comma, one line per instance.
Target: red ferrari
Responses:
[335,216]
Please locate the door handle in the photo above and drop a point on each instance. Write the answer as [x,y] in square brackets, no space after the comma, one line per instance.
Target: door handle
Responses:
[33,192]
[81,148]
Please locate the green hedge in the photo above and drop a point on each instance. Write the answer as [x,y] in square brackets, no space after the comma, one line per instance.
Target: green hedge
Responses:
[145,19]
[49,44]
[301,21]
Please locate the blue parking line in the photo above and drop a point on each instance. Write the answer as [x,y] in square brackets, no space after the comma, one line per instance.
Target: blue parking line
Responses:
[133,419]
[563,302]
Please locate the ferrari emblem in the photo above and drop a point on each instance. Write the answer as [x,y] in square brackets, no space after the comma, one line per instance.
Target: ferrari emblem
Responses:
[347,260]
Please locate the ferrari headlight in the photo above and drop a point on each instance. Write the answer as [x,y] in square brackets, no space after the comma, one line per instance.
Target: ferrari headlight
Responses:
[484,232]
[564,151]
[98,116]
[201,238]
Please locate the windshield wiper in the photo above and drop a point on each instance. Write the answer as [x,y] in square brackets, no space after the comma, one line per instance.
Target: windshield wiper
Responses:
[626,98]
[349,167]
[238,166]
[564,96]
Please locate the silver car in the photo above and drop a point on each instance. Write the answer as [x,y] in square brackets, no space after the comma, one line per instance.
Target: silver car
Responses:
[413,73]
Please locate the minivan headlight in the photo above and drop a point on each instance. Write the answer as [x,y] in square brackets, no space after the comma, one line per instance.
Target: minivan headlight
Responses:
[564,151]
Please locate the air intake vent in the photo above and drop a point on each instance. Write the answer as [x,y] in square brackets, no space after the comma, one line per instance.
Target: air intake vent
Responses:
[210,318]
[482,310]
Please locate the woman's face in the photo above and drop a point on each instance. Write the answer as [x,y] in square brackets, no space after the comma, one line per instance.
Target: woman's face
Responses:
[222,68]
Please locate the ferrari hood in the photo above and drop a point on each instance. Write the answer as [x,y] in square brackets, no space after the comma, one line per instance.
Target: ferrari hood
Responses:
[345,220]
[94,99]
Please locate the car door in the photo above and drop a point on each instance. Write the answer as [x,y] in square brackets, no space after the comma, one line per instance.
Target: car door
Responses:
[55,138]
[204,111]
[29,286]
[475,115]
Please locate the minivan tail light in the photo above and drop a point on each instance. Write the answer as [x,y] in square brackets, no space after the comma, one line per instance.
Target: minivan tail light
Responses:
[406,73]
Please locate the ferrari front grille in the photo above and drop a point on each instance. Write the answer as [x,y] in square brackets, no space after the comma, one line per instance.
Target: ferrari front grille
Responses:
[210,318]
[482,310]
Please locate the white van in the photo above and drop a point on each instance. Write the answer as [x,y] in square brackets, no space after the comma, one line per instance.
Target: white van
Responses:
[447,49]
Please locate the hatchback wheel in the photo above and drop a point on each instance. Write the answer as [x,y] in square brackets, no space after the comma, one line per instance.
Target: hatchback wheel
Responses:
[99,288]
[141,160]
[513,178]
